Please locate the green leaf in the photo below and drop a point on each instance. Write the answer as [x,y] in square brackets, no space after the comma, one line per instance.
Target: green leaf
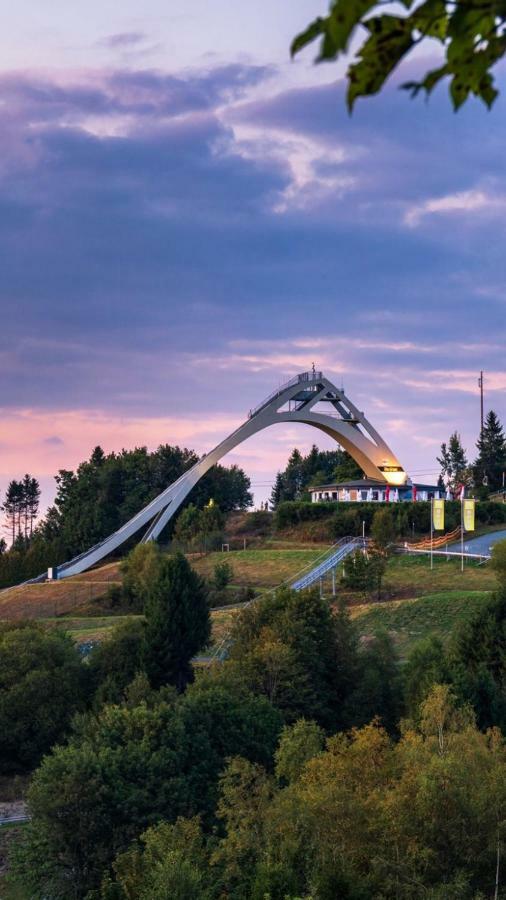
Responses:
[390,40]
[428,83]
[473,33]
[469,21]
[459,91]
[314,30]
[335,29]
[431,19]
[488,92]
[344,17]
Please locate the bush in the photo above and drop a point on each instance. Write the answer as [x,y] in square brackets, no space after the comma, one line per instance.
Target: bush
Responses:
[114,597]
[43,684]
[223,574]
[200,529]
[408,517]
[260,522]
[346,521]
[114,663]
[139,569]
[359,572]
[291,512]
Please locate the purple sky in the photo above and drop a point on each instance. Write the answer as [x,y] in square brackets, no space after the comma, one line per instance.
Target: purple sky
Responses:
[187,219]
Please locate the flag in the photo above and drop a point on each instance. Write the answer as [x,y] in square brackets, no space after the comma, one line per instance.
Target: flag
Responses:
[387,494]
[468,511]
[413,493]
[438,515]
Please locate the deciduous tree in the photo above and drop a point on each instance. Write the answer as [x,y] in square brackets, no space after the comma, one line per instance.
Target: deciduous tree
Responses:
[471,38]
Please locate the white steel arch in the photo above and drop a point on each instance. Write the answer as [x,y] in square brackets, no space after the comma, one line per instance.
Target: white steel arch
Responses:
[294,401]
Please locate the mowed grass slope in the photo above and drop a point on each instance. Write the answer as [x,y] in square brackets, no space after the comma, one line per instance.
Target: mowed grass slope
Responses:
[59,604]
[56,598]
[261,568]
[412,576]
[417,602]
[408,621]
[420,601]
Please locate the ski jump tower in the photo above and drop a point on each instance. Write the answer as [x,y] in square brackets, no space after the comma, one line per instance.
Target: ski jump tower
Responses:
[309,398]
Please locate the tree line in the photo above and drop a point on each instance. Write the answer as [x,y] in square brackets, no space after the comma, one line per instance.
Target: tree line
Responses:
[316,467]
[97,498]
[488,471]
[21,508]
[485,475]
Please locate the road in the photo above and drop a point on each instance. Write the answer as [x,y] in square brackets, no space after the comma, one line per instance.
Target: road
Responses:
[481,544]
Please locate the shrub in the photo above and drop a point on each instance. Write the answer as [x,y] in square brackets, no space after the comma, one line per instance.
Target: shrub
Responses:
[223,574]
[259,521]
[42,684]
[347,517]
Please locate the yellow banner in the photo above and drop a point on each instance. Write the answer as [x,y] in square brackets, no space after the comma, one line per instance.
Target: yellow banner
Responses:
[469,515]
[438,515]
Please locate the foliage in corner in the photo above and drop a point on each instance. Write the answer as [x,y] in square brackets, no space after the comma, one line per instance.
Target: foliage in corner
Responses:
[471,34]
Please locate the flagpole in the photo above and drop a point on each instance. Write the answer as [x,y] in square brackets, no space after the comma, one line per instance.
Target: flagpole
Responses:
[462,531]
[432,532]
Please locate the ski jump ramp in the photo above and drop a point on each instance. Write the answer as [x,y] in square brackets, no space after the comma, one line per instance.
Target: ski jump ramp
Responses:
[309,398]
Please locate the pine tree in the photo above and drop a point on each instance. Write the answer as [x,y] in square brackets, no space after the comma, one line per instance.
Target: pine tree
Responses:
[97,458]
[30,503]
[294,476]
[311,464]
[316,468]
[278,491]
[12,507]
[491,460]
[177,622]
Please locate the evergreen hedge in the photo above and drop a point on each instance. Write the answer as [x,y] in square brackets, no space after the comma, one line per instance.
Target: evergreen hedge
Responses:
[347,517]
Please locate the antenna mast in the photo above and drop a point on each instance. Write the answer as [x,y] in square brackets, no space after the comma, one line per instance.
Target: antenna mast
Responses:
[480,385]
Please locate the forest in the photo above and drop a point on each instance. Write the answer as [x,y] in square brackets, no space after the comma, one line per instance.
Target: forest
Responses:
[308,764]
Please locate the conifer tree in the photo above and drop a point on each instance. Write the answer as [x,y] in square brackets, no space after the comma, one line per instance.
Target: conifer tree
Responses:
[30,503]
[294,475]
[177,622]
[12,507]
[278,491]
[491,460]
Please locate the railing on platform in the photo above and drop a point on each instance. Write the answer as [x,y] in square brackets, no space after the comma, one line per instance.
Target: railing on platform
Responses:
[302,378]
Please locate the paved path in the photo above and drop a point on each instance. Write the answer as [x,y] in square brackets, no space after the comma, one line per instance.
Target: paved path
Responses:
[481,544]
[13,813]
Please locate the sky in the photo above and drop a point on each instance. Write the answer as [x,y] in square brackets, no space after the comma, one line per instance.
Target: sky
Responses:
[187,219]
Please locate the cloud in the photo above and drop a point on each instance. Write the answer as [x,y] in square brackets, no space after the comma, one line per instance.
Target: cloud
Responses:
[466,202]
[172,248]
[460,380]
[123,39]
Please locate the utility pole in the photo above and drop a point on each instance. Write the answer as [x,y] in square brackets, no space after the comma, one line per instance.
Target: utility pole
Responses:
[480,385]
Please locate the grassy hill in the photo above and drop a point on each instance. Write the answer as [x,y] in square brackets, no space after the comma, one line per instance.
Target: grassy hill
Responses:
[408,621]
[262,568]
[415,600]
